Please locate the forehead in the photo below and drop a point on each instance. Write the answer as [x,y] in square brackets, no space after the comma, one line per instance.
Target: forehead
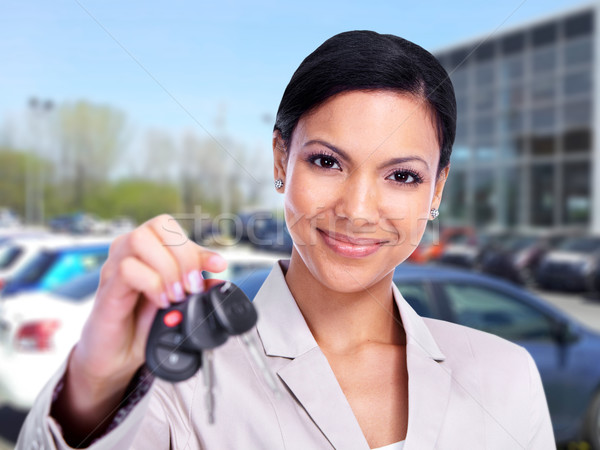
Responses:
[360,121]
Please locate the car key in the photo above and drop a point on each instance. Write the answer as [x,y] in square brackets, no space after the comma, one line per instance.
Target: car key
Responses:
[169,354]
[209,381]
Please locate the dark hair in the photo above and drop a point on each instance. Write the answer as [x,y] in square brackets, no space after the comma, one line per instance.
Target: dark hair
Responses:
[365,60]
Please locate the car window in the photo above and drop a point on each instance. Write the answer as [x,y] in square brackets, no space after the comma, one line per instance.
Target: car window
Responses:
[35,268]
[416,296]
[9,254]
[70,264]
[496,312]
[80,287]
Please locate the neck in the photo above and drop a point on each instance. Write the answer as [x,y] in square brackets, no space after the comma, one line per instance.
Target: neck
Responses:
[344,321]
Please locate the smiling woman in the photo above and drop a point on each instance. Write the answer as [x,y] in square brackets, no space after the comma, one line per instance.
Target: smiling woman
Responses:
[361,148]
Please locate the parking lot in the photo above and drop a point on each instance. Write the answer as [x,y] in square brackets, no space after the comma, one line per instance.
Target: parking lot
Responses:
[585,308]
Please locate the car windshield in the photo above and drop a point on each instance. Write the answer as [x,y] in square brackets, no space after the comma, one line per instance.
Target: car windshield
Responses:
[50,268]
[79,288]
[519,243]
[36,268]
[9,254]
[581,245]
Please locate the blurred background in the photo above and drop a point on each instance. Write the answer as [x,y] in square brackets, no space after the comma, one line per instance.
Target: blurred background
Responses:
[112,113]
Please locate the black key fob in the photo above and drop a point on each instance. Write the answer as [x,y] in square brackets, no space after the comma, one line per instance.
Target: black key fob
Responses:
[233,309]
[203,321]
[169,354]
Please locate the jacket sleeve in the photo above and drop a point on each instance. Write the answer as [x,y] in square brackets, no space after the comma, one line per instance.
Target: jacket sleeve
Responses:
[541,434]
[145,424]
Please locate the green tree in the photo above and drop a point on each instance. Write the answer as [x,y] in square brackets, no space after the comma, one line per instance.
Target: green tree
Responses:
[91,139]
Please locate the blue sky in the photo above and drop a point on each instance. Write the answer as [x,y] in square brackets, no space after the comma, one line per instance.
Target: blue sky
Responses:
[175,64]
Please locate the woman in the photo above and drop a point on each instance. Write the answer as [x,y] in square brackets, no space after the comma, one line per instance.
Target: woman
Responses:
[361,150]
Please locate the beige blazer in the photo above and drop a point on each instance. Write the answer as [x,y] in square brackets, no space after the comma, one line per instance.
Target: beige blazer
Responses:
[467,390]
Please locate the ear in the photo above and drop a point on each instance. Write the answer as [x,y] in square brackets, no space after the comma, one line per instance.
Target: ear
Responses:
[439,187]
[280,157]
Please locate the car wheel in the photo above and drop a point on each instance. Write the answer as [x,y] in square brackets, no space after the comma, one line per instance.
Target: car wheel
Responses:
[592,423]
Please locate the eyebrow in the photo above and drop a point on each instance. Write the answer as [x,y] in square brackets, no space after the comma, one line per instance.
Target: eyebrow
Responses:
[347,157]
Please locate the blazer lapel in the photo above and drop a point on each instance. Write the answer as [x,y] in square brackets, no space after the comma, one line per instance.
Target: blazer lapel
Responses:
[313,383]
[284,333]
[429,380]
[308,374]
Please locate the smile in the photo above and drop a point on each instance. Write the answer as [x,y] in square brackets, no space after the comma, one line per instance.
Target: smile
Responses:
[350,247]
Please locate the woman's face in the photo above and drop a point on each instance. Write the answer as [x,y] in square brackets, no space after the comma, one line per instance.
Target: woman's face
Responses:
[359,181]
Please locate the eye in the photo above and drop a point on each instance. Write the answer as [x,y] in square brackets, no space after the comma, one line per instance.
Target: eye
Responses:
[325,161]
[406,177]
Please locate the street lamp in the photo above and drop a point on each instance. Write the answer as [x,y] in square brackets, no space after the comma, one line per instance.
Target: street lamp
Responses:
[34,188]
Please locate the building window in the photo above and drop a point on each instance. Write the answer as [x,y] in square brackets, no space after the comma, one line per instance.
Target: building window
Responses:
[578,83]
[513,122]
[484,100]
[484,197]
[544,60]
[484,74]
[458,58]
[576,141]
[455,194]
[513,43]
[460,79]
[577,113]
[512,69]
[543,89]
[511,183]
[460,153]
[543,119]
[485,51]
[462,130]
[578,52]
[576,193]
[484,127]
[543,145]
[544,34]
[579,25]
[542,195]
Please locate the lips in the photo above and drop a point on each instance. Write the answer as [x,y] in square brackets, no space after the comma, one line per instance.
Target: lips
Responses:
[350,247]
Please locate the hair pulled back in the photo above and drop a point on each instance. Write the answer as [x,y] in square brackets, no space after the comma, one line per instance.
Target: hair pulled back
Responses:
[366,60]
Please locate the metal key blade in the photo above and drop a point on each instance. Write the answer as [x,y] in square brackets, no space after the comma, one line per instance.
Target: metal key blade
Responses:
[209,381]
[260,360]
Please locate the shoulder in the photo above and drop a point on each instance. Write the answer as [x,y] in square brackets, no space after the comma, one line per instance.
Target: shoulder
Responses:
[468,347]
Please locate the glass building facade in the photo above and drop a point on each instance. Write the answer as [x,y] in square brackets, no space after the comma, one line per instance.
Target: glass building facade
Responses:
[524,154]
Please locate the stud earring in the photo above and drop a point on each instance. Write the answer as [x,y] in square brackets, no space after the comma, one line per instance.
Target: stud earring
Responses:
[278,183]
[434,213]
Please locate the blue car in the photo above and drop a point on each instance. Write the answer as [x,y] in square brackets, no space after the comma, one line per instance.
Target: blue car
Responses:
[567,354]
[56,264]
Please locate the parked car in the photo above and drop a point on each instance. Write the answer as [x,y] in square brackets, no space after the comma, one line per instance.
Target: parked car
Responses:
[518,257]
[57,261]
[16,252]
[431,247]
[571,266]
[470,251]
[565,351]
[37,331]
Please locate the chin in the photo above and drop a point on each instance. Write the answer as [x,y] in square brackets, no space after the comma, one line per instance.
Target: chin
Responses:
[351,275]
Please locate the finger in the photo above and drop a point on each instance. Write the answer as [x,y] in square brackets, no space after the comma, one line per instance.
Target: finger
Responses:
[142,278]
[147,246]
[191,257]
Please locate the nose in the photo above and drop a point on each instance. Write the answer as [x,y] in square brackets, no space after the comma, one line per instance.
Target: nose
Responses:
[359,200]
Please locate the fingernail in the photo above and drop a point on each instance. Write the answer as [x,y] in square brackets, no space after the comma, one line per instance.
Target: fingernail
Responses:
[164,300]
[195,280]
[178,291]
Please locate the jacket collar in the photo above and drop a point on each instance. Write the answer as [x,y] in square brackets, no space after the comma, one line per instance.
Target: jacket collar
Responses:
[284,333]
